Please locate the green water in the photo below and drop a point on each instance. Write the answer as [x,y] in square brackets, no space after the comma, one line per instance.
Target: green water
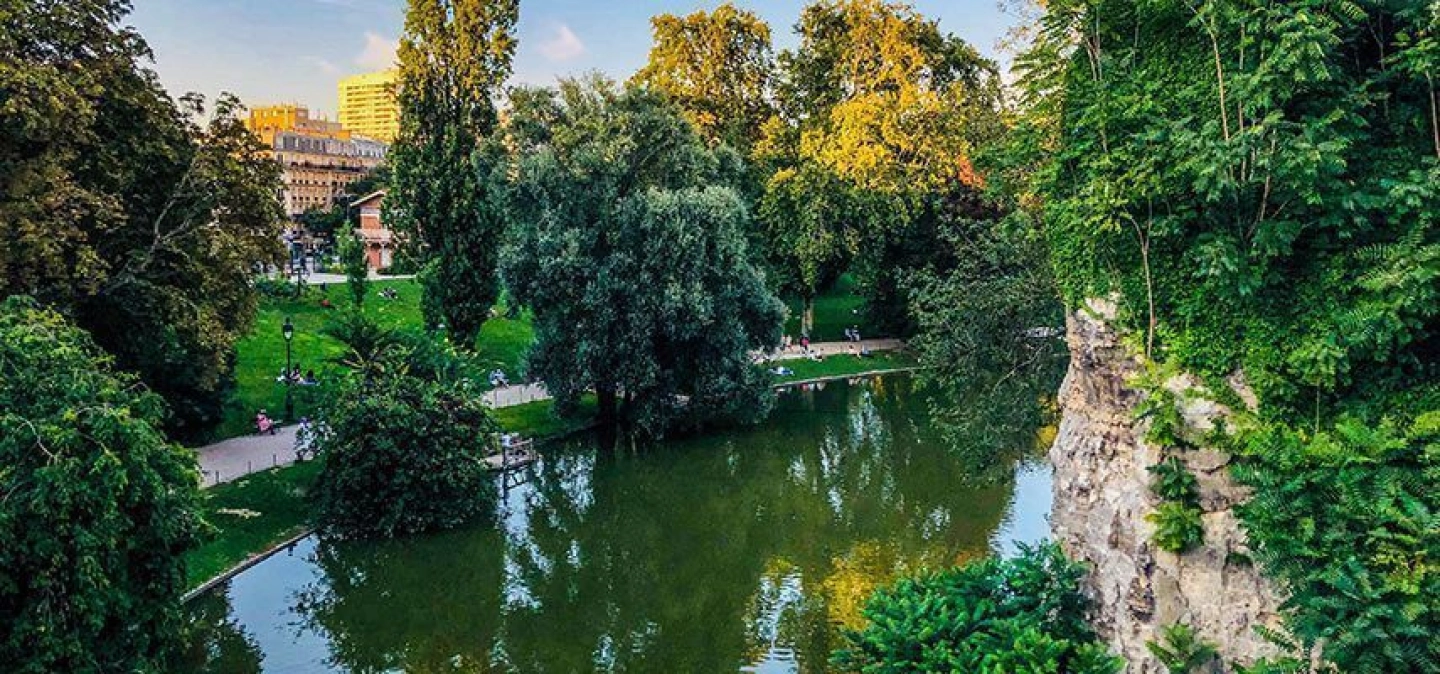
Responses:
[742,551]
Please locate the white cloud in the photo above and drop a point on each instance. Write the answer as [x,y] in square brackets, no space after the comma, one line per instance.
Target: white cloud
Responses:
[324,66]
[563,45]
[379,52]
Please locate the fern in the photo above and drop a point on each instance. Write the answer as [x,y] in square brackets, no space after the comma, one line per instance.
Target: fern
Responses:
[1181,650]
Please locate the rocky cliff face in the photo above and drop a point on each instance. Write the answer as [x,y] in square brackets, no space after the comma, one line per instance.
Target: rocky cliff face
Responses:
[1102,496]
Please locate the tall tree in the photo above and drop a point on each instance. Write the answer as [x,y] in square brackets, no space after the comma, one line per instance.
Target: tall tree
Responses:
[630,248]
[717,65]
[98,507]
[878,98]
[447,191]
[128,212]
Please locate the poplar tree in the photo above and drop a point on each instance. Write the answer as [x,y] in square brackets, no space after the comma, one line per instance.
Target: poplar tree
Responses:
[448,194]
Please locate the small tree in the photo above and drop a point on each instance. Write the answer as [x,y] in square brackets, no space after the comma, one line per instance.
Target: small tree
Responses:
[357,268]
[402,444]
[97,506]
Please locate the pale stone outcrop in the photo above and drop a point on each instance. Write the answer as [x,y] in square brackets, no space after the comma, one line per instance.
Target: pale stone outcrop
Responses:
[1102,496]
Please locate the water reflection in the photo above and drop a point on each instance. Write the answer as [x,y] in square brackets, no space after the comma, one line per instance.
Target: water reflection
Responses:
[742,551]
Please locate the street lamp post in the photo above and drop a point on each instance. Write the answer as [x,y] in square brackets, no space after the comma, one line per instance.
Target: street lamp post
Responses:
[288,332]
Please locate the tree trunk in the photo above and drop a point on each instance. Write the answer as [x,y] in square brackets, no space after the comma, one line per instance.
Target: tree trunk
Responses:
[807,318]
[608,400]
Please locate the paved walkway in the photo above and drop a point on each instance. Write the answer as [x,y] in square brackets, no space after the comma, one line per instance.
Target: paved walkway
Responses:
[237,457]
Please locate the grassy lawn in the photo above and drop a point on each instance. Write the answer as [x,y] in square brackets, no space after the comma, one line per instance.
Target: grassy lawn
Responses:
[835,310]
[261,355]
[249,516]
[839,366]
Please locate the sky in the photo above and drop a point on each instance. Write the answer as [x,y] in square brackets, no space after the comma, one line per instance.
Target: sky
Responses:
[294,51]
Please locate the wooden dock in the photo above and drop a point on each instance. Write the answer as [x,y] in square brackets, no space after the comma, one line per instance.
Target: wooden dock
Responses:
[513,457]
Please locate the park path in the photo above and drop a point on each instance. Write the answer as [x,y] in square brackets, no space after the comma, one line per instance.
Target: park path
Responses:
[232,459]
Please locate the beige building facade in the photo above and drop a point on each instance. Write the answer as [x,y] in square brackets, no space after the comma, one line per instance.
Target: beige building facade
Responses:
[318,158]
[368,106]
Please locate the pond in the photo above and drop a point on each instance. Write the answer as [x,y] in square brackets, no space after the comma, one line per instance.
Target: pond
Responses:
[747,550]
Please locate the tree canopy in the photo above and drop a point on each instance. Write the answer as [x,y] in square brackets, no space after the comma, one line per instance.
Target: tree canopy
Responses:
[122,209]
[882,111]
[402,438]
[630,249]
[98,506]
[718,67]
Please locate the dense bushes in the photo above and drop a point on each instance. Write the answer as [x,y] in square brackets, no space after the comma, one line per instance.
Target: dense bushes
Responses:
[1013,616]
[403,441]
[1347,520]
[97,506]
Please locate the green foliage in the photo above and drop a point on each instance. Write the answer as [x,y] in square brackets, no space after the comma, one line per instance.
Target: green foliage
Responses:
[1012,616]
[1346,520]
[1181,650]
[881,116]
[631,252]
[448,188]
[717,66]
[97,507]
[402,443]
[1258,183]
[989,338]
[130,213]
[1174,482]
[276,288]
[357,269]
[1178,527]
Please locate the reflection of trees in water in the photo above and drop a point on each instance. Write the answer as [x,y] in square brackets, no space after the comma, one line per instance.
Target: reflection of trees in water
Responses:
[216,642]
[425,604]
[674,567]
[993,420]
[702,555]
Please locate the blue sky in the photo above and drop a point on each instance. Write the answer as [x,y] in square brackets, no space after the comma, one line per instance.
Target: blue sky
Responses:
[270,51]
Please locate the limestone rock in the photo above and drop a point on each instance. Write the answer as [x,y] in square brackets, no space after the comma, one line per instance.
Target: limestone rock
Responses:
[1102,496]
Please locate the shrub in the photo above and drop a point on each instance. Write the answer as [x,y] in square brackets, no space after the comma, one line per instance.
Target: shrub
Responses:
[97,506]
[276,288]
[1345,521]
[1011,616]
[1174,482]
[402,444]
[1178,527]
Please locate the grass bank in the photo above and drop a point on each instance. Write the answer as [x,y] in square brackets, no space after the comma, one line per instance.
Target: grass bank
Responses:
[842,365]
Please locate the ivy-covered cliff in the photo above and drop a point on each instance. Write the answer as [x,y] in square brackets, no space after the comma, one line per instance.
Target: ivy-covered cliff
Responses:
[1257,185]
